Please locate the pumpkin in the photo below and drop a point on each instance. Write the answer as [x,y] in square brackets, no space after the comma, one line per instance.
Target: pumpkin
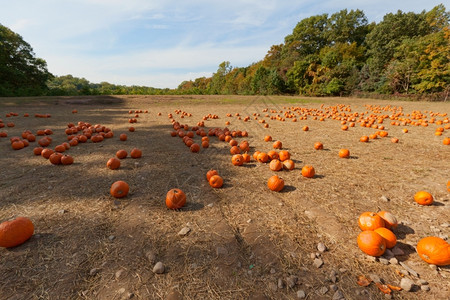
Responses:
[434,251]
[371,243]
[121,154]
[318,146]
[273,154]
[244,146]
[136,153]
[46,153]
[44,142]
[211,173]
[246,157]
[262,157]
[216,181]
[175,199]
[267,138]
[305,128]
[394,140]
[255,155]
[113,163]
[55,158]
[388,235]
[308,171]
[364,139]
[284,155]
[123,137]
[15,232]
[344,153]
[370,221]
[60,148]
[119,189]
[275,165]
[37,150]
[277,145]
[131,129]
[446,141]
[195,148]
[235,150]
[288,164]
[423,198]
[448,186]
[275,183]
[390,221]
[66,159]
[237,160]
[17,145]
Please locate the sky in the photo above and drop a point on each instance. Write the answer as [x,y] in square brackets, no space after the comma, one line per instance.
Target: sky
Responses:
[161,43]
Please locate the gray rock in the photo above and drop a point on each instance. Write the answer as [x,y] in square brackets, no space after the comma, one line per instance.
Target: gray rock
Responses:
[111,237]
[301,294]
[333,288]
[321,247]
[404,272]
[158,268]
[425,288]
[433,267]
[121,290]
[342,270]
[384,261]
[323,290]
[406,284]
[280,283]
[318,262]
[94,271]
[388,254]
[184,231]
[174,295]
[388,296]
[118,274]
[291,281]
[338,295]
[150,256]
[62,211]
[422,282]
[375,278]
[272,271]
[397,251]
[409,269]
[445,225]
[384,198]
[312,255]
[393,261]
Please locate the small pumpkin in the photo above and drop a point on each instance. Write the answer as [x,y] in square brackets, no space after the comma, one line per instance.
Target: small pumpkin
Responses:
[288,164]
[390,221]
[216,181]
[308,171]
[371,243]
[136,153]
[389,236]
[423,198]
[275,183]
[55,158]
[364,139]
[175,199]
[370,221]
[119,189]
[66,159]
[284,155]
[262,157]
[434,251]
[273,155]
[318,146]
[277,145]
[15,232]
[113,163]
[195,148]
[211,173]
[275,165]
[121,154]
[123,137]
[344,153]
[237,160]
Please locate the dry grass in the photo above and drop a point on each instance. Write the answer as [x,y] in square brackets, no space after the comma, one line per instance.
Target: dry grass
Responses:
[266,236]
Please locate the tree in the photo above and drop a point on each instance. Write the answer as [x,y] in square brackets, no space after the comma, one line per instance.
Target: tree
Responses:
[21,73]
[347,27]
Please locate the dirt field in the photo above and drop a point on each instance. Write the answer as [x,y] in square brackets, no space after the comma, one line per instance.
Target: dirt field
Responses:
[245,241]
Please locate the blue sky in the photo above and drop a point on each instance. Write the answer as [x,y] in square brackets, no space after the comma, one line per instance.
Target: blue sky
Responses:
[161,43]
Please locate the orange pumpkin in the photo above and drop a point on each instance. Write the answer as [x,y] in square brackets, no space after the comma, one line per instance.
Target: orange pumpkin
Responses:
[136,153]
[370,221]
[235,150]
[305,128]
[262,157]
[277,145]
[46,153]
[119,189]
[66,159]
[434,251]
[267,138]
[288,164]
[55,158]
[38,150]
[275,183]
[246,157]
[394,140]
[390,221]
[308,171]
[175,199]
[121,154]
[273,154]
[15,232]
[318,146]
[284,155]
[388,235]
[371,243]
[113,163]
[195,148]
[123,137]
[211,173]
[17,145]
[423,198]
[237,160]
[275,165]
[344,153]
[364,139]
[216,181]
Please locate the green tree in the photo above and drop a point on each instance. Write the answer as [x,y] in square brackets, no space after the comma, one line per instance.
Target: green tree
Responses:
[21,73]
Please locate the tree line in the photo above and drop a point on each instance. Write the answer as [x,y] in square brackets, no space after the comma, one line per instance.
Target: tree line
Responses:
[325,55]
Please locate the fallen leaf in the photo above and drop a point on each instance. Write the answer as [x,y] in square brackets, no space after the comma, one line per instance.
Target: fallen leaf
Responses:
[384,288]
[363,281]
[395,288]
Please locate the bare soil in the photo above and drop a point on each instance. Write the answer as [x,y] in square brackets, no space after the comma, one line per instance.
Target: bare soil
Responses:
[244,238]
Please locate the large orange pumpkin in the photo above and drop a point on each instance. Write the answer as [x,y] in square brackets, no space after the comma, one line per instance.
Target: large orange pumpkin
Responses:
[371,243]
[136,153]
[370,221]
[119,189]
[216,181]
[113,163]
[275,183]
[388,235]
[237,160]
[275,165]
[423,198]
[434,251]
[344,153]
[284,155]
[175,199]
[308,171]
[15,232]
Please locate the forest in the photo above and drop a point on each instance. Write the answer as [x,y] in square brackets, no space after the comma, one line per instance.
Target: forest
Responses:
[342,54]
